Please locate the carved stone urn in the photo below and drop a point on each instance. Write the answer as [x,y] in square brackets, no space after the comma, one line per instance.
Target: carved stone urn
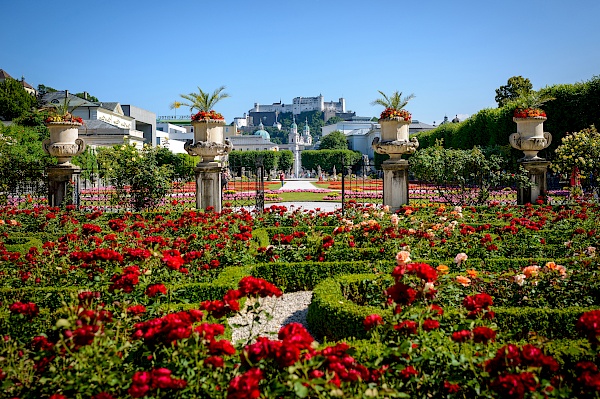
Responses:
[208,140]
[530,137]
[64,142]
[394,138]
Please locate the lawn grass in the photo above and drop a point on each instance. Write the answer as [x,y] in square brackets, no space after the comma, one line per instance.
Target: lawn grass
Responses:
[302,197]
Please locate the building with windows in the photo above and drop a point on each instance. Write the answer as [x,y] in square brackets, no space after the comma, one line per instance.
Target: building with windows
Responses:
[108,123]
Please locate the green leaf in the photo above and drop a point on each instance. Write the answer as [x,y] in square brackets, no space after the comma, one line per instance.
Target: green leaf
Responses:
[301,390]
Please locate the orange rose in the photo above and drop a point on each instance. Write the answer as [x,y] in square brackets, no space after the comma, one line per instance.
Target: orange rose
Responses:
[472,273]
[442,269]
[531,270]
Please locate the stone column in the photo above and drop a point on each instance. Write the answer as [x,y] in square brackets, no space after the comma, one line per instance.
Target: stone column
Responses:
[208,185]
[395,183]
[60,189]
[537,177]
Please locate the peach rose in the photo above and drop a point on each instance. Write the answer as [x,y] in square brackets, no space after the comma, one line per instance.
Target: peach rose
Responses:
[402,257]
[464,281]
[520,279]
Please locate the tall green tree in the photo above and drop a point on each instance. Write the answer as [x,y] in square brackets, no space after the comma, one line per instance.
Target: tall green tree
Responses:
[517,86]
[333,120]
[21,157]
[43,89]
[91,98]
[14,99]
[204,101]
[335,140]
[286,160]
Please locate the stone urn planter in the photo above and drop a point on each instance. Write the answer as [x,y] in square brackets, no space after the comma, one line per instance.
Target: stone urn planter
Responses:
[394,129]
[210,130]
[208,140]
[394,138]
[530,137]
[64,142]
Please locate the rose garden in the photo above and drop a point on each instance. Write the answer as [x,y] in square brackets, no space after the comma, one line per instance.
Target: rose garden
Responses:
[432,299]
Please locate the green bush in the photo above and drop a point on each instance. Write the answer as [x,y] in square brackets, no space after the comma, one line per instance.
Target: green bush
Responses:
[575,107]
[333,316]
[327,159]
[303,276]
[198,292]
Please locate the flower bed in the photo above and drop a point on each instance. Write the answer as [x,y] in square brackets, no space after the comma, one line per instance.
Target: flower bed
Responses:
[136,303]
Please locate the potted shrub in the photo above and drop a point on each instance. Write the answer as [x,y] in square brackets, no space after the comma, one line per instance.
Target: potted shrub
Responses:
[208,125]
[394,122]
[64,142]
[394,119]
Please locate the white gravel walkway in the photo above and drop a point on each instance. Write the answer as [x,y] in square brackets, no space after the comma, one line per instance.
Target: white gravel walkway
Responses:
[288,308]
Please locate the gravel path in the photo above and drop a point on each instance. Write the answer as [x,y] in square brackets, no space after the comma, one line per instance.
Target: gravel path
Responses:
[288,308]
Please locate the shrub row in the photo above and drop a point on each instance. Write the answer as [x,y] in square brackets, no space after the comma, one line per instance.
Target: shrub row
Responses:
[333,317]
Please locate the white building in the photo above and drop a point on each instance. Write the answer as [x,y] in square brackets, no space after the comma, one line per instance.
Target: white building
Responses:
[106,123]
[259,141]
[297,143]
[172,137]
[360,134]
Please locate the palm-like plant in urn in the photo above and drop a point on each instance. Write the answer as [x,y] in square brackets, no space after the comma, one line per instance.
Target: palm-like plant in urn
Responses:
[64,142]
[394,122]
[208,125]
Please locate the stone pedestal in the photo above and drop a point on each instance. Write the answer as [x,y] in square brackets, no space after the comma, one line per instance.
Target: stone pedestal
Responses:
[63,182]
[208,185]
[395,183]
[537,176]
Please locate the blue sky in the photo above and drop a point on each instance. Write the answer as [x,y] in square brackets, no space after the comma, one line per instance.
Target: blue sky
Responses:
[451,54]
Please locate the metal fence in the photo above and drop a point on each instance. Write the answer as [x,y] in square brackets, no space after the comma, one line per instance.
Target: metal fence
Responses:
[361,183]
[244,186]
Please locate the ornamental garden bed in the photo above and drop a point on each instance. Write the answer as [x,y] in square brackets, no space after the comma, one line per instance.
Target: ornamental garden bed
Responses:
[135,304]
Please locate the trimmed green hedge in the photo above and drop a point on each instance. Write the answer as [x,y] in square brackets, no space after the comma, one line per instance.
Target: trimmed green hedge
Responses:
[199,292]
[51,298]
[332,316]
[303,276]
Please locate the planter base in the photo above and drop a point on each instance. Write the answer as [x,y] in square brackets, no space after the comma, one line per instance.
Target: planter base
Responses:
[208,186]
[537,176]
[63,182]
[395,183]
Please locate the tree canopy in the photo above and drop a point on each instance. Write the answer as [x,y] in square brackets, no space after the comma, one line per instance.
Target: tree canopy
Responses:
[335,140]
[89,97]
[21,156]
[14,99]
[517,86]
[333,120]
